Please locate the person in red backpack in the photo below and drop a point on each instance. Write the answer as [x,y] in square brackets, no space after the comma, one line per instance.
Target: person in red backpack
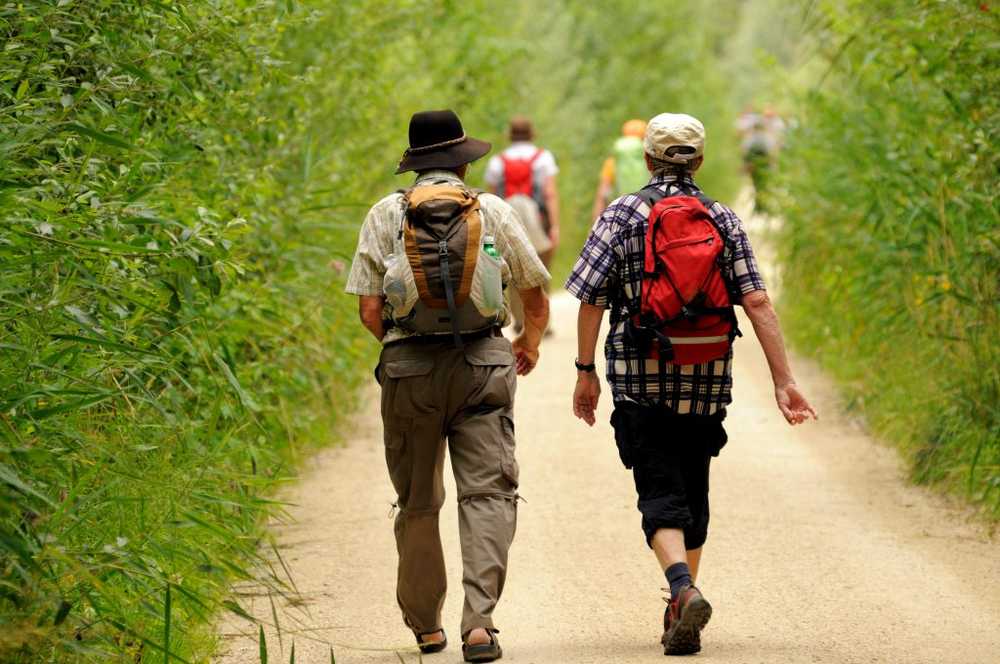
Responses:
[526,173]
[670,264]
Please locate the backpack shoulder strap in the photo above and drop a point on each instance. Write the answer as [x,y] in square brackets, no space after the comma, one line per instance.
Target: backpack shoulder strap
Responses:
[651,195]
[538,153]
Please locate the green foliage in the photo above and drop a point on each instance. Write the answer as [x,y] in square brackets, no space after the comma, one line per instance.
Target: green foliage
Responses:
[181,185]
[892,235]
[597,65]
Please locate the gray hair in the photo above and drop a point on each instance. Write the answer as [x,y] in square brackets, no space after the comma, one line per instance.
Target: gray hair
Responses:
[661,167]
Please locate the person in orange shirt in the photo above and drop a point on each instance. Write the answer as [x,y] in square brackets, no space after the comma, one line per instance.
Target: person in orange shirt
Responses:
[624,172]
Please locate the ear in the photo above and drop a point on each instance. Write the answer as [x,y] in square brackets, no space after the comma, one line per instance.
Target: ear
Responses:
[696,164]
[649,162]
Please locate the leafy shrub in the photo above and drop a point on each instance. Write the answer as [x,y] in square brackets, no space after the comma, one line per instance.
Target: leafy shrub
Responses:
[181,185]
[892,235]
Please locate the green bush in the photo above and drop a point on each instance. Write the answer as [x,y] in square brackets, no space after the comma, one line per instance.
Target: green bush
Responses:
[181,185]
[892,233]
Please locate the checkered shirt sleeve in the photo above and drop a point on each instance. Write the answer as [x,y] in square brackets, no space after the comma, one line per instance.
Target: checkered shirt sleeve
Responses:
[374,244]
[596,270]
[512,243]
[742,272]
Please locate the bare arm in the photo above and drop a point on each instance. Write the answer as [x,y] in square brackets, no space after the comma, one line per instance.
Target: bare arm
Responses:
[370,310]
[551,193]
[588,385]
[601,198]
[536,319]
[791,402]
[604,187]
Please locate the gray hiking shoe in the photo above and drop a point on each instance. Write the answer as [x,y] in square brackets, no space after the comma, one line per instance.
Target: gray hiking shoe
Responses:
[683,621]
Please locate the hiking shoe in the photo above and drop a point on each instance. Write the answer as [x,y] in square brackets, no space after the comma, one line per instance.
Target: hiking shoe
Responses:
[431,647]
[483,652]
[683,621]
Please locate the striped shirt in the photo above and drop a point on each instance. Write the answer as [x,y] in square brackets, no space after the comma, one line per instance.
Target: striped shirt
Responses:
[522,268]
[608,274]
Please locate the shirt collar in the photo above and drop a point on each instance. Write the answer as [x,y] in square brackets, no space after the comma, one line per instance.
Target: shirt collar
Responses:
[437,175]
[663,178]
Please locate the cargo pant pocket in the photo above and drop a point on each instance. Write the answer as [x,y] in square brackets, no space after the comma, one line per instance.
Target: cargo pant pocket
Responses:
[494,376]
[395,438]
[508,463]
[718,437]
[625,420]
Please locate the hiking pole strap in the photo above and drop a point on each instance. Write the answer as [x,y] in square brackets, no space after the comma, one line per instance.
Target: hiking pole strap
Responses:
[449,292]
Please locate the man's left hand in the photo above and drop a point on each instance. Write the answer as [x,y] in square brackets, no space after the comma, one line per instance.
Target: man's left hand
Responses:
[554,236]
[793,404]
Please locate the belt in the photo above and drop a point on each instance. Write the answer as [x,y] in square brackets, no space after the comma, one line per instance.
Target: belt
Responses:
[467,337]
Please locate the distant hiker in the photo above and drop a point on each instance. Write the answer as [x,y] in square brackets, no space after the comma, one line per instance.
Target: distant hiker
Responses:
[670,263]
[430,270]
[746,121]
[525,176]
[762,138]
[624,171]
[758,150]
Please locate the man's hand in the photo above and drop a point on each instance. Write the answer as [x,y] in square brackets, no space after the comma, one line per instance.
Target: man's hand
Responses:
[525,355]
[792,404]
[554,237]
[586,395]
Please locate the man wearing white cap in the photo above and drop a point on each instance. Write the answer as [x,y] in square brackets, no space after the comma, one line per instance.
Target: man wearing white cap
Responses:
[670,264]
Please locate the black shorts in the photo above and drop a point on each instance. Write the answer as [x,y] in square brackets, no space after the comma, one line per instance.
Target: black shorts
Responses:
[669,455]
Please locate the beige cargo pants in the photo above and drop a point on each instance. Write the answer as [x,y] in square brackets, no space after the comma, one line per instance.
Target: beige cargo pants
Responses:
[433,393]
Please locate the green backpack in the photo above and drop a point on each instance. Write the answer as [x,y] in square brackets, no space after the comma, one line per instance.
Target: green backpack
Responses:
[631,173]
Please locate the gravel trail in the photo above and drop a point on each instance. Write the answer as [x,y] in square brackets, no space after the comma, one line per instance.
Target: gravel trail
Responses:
[819,550]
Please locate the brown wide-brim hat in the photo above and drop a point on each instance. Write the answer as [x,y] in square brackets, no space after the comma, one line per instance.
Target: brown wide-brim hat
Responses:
[437,140]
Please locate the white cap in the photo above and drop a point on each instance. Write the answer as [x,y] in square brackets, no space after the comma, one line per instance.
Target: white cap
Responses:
[669,131]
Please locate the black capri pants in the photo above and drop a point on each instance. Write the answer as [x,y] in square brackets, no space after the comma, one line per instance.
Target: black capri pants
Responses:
[669,455]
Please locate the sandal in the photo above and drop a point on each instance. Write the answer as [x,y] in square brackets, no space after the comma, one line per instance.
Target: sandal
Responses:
[483,652]
[429,648]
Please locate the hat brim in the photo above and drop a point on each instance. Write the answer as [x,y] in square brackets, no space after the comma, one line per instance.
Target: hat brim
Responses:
[452,156]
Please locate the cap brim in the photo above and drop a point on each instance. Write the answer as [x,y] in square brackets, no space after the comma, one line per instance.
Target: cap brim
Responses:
[452,156]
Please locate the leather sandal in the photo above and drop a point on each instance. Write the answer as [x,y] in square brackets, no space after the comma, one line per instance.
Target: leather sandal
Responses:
[429,648]
[483,652]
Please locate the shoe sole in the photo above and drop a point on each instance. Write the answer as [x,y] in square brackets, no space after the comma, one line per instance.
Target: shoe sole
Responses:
[431,648]
[483,653]
[685,637]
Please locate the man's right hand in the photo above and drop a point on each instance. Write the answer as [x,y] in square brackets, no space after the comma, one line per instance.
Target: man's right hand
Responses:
[586,396]
[525,355]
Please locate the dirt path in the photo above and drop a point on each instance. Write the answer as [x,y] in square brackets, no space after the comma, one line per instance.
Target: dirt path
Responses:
[818,551]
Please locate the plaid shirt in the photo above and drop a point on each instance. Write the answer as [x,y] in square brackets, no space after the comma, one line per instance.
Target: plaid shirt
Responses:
[609,274]
[522,269]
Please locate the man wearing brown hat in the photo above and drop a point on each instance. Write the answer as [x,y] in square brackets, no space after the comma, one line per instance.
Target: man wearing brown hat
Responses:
[669,350]
[430,269]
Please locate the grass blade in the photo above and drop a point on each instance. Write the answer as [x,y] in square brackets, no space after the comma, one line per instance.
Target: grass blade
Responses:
[166,626]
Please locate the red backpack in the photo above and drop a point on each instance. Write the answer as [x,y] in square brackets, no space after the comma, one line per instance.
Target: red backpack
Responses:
[518,175]
[685,305]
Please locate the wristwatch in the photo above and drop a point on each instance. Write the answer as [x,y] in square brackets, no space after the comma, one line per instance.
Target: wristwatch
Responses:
[589,368]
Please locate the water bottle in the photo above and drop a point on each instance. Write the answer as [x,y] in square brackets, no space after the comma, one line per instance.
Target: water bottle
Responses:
[489,246]
[491,280]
